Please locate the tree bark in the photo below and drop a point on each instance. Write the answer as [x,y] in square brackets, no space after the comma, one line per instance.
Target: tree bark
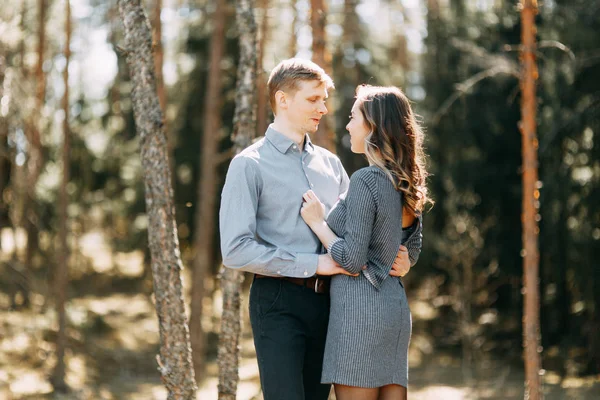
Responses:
[35,161]
[531,194]
[244,126]
[3,146]
[175,360]
[207,187]
[62,265]
[262,108]
[325,135]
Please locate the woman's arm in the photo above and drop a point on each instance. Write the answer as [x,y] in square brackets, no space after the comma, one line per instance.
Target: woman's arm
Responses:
[313,213]
[351,250]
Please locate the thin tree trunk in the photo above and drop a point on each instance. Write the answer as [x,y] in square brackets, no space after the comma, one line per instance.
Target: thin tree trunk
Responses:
[207,187]
[244,122]
[35,161]
[262,112]
[4,157]
[33,128]
[325,135]
[531,308]
[62,265]
[175,360]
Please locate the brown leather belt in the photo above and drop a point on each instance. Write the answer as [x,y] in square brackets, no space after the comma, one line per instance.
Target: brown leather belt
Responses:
[320,284]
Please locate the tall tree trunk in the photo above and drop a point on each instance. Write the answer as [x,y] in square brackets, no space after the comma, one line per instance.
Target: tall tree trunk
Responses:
[175,360]
[35,161]
[207,186]
[325,135]
[4,157]
[531,194]
[62,265]
[244,122]
[262,108]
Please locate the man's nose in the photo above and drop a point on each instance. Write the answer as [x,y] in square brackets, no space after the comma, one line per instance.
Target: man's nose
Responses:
[323,109]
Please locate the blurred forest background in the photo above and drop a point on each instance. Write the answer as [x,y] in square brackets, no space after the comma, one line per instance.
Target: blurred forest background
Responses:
[458,60]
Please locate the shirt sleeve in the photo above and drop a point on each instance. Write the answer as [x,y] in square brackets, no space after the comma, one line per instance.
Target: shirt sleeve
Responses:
[414,241]
[237,225]
[351,251]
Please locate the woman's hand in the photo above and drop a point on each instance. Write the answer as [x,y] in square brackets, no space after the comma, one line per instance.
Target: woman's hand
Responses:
[312,211]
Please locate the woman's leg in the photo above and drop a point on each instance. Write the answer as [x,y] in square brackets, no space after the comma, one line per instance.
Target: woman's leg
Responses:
[343,392]
[392,392]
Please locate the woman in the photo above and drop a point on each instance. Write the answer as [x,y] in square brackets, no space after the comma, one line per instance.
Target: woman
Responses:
[366,354]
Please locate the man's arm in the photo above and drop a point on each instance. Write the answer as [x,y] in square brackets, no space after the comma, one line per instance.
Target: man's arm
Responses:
[237,222]
[414,242]
[409,252]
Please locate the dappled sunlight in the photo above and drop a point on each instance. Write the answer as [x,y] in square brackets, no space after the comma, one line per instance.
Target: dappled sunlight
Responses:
[8,240]
[29,382]
[422,310]
[126,305]
[440,392]
[130,264]
[94,246]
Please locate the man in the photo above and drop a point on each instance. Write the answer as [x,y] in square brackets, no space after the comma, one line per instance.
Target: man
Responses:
[262,232]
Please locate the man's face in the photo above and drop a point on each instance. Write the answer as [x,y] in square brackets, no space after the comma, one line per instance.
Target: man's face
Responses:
[306,107]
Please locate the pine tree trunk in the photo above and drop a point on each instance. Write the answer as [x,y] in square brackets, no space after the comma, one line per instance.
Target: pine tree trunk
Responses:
[244,122]
[62,269]
[207,187]
[325,135]
[531,307]
[35,161]
[262,107]
[4,157]
[175,360]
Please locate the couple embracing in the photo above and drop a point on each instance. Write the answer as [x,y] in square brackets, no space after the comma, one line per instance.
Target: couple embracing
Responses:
[327,303]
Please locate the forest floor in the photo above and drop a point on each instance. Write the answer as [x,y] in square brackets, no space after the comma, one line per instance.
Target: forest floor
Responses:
[113,343]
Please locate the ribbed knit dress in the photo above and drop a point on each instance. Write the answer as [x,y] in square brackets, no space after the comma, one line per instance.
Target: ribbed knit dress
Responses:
[370,322]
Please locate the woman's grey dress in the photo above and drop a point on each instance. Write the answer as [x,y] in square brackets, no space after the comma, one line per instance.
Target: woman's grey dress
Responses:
[370,322]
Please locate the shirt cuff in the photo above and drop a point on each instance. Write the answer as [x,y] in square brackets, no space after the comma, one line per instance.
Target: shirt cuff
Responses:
[307,265]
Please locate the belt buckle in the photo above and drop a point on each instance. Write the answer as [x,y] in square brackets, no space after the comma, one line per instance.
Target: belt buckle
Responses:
[320,286]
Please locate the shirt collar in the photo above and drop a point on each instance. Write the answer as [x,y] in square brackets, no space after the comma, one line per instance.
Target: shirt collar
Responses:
[283,143]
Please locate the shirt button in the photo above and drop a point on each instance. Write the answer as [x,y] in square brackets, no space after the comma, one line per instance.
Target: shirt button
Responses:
[305,273]
[311,185]
[364,267]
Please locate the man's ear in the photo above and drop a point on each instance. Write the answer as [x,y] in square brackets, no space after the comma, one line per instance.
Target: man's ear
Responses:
[281,100]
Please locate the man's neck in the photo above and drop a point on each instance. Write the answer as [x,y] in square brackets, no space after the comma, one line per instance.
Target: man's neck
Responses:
[289,131]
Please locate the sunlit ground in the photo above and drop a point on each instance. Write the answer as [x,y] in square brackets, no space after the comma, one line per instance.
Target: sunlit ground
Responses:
[113,342]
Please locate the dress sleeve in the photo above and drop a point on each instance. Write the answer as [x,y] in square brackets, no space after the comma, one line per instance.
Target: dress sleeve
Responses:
[351,250]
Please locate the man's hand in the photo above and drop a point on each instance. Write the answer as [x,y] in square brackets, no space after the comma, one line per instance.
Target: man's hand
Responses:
[401,264]
[327,266]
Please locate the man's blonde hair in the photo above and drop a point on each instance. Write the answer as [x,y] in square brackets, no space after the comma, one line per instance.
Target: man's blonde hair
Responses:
[286,75]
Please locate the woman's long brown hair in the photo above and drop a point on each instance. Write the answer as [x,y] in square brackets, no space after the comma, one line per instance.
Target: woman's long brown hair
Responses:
[395,143]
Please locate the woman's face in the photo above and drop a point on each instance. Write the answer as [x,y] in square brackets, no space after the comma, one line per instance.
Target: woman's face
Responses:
[357,127]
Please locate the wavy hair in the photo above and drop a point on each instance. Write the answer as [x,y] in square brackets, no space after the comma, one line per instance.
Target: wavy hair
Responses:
[395,142]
